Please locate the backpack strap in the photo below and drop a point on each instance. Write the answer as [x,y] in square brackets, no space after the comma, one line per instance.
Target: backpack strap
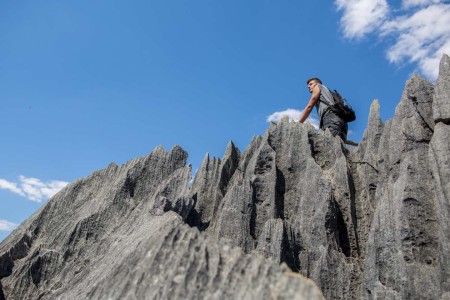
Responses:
[324,103]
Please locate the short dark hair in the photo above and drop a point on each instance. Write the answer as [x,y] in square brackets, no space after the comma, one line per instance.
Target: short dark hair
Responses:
[315,79]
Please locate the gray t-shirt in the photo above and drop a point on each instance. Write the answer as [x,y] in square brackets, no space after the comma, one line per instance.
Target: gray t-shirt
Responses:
[325,96]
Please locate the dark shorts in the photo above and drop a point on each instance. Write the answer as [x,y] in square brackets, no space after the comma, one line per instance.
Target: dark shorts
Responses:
[335,124]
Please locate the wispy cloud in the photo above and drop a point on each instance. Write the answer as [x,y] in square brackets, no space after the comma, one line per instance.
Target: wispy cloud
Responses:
[33,188]
[10,186]
[7,226]
[361,16]
[421,38]
[420,29]
[413,3]
[292,114]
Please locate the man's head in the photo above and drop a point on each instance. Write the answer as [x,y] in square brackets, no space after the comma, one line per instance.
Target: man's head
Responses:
[312,82]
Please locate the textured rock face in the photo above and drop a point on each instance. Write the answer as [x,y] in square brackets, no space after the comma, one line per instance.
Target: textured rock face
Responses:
[120,234]
[439,158]
[403,226]
[370,222]
[289,198]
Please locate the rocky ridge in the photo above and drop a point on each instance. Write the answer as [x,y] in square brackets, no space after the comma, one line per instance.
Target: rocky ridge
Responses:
[370,222]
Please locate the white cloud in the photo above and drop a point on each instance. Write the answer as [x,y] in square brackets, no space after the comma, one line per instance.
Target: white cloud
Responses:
[413,3]
[10,186]
[361,16]
[420,30]
[7,226]
[421,38]
[33,188]
[430,64]
[292,114]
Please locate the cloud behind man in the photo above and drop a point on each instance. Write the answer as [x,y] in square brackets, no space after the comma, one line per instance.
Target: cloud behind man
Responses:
[418,31]
[292,114]
[32,188]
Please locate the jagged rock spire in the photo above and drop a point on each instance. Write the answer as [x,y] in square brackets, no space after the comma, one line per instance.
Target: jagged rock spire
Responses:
[441,102]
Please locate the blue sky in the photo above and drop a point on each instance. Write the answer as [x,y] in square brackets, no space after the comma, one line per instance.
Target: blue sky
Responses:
[87,83]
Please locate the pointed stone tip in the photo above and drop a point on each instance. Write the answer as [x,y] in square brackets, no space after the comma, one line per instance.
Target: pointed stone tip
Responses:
[254,139]
[206,156]
[416,77]
[441,103]
[230,144]
[159,148]
[179,154]
[374,113]
[416,84]
[375,105]
[205,162]
[444,66]
[178,149]
[374,123]
[112,165]
[231,148]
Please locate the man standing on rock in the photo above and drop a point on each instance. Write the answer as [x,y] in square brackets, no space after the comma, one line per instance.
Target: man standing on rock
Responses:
[320,97]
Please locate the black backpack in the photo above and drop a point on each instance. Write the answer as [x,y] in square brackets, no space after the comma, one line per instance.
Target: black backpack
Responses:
[341,107]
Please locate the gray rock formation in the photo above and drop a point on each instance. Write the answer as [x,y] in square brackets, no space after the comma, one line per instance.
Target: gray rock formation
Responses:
[120,234]
[370,222]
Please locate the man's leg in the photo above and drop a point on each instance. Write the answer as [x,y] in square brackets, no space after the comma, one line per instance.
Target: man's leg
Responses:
[336,125]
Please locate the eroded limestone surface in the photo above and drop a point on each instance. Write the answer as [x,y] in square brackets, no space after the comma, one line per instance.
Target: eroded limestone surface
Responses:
[368,222]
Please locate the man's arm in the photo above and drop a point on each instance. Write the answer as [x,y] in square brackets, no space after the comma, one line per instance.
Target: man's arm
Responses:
[315,95]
